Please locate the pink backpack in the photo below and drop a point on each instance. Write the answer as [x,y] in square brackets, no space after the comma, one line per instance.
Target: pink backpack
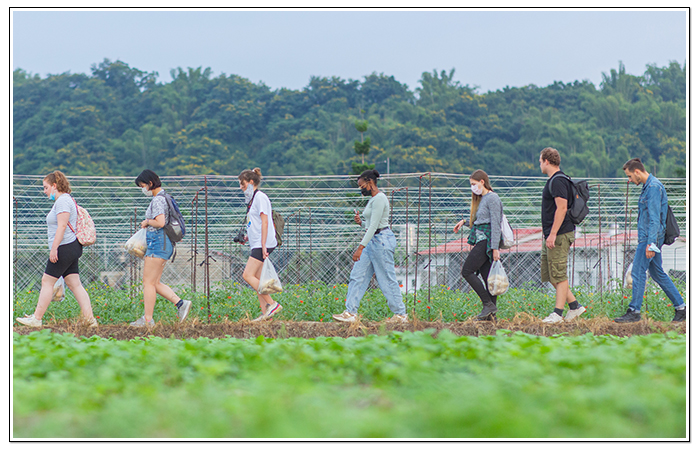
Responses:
[86,232]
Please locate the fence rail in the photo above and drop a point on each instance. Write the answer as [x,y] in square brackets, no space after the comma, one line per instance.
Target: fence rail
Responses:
[320,234]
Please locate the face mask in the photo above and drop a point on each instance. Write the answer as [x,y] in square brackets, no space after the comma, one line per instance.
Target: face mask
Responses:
[52,197]
[366,192]
[146,192]
[249,191]
[476,189]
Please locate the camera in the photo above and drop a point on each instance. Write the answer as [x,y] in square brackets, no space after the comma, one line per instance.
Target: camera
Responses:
[241,238]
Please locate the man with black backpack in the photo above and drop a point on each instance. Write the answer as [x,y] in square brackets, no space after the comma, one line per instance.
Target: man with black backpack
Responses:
[651,234]
[558,233]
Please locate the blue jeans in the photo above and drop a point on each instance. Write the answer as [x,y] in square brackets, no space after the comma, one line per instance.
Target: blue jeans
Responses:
[158,244]
[378,259]
[639,279]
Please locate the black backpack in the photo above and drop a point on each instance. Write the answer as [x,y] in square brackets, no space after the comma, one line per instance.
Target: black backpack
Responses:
[578,209]
[672,230]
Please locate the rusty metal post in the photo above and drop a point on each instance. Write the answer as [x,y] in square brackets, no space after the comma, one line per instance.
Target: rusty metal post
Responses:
[430,229]
[415,277]
[206,247]
[311,257]
[600,248]
[14,259]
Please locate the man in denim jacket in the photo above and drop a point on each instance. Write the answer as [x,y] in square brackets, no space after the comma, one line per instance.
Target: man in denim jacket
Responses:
[651,229]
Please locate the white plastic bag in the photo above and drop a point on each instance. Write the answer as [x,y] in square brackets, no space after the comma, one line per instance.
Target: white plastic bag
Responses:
[136,245]
[628,278]
[59,290]
[507,237]
[498,280]
[269,281]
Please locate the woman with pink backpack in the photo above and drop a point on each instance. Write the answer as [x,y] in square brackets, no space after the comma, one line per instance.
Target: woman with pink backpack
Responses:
[65,251]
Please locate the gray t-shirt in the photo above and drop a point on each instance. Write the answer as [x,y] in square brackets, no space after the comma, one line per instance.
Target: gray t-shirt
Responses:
[490,211]
[158,206]
[64,203]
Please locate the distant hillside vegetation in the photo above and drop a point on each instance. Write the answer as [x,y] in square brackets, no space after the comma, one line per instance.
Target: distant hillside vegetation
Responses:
[120,120]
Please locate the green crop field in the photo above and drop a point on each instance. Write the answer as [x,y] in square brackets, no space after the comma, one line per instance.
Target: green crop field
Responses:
[318,301]
[398,385]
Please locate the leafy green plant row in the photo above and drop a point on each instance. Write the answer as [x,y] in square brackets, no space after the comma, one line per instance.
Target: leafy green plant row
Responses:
[400,385]
[318,301]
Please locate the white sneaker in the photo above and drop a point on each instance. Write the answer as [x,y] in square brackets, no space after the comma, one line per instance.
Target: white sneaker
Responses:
[272,310]
[574,313]
[553,318]
[345,317]
[398,318]
[30,321]
[183,310]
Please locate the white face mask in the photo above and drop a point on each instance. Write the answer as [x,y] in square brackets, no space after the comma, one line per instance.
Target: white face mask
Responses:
[146,192]
[476,189]
[249,192]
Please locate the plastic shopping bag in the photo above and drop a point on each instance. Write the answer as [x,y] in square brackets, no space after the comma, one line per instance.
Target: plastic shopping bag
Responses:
[628,278]
[59,290]
[498,280]
[269,281]
[136,245]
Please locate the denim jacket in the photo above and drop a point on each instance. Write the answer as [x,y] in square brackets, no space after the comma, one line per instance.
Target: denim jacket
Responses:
[653,207]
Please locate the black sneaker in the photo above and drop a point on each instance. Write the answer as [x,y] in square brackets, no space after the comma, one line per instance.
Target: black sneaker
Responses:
[680,316]
[630,316]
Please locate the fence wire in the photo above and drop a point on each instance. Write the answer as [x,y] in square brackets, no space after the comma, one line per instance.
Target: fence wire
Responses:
[320,234]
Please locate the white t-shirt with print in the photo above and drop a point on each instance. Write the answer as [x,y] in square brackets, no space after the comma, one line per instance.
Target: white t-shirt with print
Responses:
[261,204]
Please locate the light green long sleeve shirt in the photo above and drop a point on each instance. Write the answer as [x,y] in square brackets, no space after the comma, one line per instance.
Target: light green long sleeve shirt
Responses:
[375,216]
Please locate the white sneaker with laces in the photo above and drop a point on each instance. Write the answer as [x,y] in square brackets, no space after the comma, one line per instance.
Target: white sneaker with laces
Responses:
[345,317]
[553,318]
[398,318]
[574,313]
[30,321]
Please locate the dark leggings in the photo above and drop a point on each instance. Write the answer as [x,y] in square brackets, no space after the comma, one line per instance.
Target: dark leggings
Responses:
[478,262]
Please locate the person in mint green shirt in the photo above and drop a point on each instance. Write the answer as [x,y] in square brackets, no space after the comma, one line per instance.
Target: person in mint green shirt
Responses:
[375,254]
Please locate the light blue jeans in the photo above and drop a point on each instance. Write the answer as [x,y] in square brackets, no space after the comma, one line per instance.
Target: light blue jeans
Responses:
[639,279]
[376,259]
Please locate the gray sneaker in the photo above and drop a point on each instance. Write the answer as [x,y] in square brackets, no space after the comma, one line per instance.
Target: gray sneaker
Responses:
[183,310]
[141,322]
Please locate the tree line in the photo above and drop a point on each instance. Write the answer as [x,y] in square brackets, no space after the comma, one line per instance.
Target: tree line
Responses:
[119,120]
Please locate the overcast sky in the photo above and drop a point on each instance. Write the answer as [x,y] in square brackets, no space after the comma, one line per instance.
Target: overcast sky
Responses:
[488,49]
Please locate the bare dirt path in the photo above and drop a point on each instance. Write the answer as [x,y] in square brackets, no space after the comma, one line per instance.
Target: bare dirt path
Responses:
[286,329]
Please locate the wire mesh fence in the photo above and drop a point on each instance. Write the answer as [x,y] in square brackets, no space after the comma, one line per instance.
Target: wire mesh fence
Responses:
[320,234]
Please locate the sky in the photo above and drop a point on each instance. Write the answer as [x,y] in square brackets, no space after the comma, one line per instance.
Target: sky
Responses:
[488,49]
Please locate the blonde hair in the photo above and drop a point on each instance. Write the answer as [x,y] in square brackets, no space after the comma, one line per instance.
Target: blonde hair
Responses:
[59,179]
[254,175]
[478,175]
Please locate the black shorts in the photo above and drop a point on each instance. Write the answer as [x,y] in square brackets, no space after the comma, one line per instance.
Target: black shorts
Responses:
[68,256]
[257,253]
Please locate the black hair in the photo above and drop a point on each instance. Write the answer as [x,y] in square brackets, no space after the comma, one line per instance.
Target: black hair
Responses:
[369,175]
[149,178]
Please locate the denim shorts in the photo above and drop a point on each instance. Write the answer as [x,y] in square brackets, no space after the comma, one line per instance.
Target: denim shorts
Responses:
[158,244]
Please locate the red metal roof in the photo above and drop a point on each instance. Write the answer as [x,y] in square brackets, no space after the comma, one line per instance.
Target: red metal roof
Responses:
[530,240]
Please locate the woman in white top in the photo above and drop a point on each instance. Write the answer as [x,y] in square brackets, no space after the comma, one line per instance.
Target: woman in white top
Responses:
[260,228]
[65,250]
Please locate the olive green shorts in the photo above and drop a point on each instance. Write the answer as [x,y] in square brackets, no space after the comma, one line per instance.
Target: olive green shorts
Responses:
[554,260]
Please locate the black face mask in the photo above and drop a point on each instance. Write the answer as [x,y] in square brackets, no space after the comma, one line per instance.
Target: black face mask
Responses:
[364,191]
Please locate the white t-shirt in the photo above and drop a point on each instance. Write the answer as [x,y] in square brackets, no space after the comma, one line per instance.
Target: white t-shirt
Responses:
[261,204]
[64,203]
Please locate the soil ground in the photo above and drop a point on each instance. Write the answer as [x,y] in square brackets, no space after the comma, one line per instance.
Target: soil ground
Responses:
[246,329]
